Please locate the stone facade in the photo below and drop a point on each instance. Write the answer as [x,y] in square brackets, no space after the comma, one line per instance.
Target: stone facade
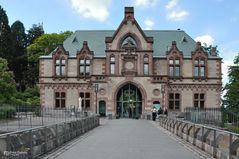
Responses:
[184,75]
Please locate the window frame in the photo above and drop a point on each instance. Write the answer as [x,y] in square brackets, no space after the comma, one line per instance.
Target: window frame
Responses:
[62,71]
[174,100]
[126,39]
[173,68]
[86,99]
[199,100]
[61,98]
[146,65]
[112,65]
[198,66]
[84,67]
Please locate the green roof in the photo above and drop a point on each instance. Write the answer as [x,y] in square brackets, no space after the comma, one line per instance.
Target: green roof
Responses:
[162,41]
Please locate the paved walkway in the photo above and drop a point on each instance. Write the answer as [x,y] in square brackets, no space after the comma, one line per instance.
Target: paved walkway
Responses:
[125,139]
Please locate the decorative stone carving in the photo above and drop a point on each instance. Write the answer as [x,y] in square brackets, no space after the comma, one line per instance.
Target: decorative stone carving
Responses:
[102,91]
[156,92]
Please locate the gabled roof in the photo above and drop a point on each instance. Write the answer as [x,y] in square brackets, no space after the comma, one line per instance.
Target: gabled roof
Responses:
[162,41]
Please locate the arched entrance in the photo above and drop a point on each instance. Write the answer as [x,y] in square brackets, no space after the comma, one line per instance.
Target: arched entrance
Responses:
[156,104]
[129,102]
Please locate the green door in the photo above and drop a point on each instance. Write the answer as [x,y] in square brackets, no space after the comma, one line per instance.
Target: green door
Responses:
[129,102]
[102,109]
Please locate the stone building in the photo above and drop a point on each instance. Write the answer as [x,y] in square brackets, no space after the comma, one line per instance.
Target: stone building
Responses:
[126,71]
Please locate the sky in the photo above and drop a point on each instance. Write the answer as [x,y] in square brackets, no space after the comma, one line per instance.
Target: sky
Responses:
[214,22]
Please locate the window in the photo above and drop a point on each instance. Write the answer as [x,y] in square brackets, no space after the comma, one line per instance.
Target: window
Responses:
[174,68]
[112,64]
[129,42]
[174,101]
[60,67]
[146,65]
[85,96]
[199,100]
[199,68]
[60,99]
[84,67]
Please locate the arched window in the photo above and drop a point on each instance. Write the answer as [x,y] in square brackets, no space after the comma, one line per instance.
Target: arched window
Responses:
[60,67]
[174,68]
[146,65]
[84,67]
[112,64]
[129,42]
[199,68]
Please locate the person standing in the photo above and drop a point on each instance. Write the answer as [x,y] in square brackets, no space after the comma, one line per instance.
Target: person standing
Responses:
[154,114]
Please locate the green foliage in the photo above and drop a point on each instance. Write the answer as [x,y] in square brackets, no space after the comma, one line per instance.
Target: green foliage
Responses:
[35,32]
[232,128]
[29,97]
[232,87]
[19,37]
[7,111]
[6,47]
[45,44]
[7,83]
[42,46]
[9,95]
[19,63]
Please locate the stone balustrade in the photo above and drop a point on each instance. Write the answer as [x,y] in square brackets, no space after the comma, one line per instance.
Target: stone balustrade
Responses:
[32,143]
[219,143]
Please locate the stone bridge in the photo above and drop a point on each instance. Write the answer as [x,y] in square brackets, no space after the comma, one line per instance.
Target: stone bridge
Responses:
[121,139]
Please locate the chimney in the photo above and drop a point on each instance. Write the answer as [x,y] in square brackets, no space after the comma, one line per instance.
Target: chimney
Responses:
[129,12]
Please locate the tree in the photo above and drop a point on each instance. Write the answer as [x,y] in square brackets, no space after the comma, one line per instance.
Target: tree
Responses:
[43,45]
[7,83]
[35,32]
[19,63]
[232,87]
[6,47]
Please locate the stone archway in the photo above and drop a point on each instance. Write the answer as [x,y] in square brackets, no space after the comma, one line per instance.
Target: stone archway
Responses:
[129,101]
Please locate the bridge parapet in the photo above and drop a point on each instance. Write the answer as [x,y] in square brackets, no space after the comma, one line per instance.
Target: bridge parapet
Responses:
[32,143]
[219,143]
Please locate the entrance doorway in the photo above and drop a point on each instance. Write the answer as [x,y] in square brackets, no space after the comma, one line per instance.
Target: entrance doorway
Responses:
[129,102]
[102,109]
[156,104]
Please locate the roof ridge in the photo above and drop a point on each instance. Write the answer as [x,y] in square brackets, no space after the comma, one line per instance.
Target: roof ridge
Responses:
[92,30]
[143,30]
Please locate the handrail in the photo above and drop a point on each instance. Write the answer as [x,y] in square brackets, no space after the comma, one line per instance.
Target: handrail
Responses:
[208,127]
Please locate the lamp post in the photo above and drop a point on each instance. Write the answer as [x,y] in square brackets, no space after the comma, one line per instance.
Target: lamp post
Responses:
[96,91]
[163,93]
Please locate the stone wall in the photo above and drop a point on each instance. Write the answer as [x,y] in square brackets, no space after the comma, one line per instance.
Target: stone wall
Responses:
[33,143]
[219,143]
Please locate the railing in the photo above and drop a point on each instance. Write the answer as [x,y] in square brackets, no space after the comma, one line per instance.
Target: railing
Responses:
[35,142]
[220,117]
[13,118]
[219,143]
[211,116]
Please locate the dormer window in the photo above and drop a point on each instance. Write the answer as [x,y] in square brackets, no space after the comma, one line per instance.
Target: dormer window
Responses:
[84,67]
[174,68]
[199,68]
[129,42]
[60,67]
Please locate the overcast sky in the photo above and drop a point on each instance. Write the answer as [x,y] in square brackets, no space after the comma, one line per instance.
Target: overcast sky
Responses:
[213,22]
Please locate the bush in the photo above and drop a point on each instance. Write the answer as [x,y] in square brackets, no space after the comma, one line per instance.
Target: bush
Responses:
[232,128]
[7,112]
